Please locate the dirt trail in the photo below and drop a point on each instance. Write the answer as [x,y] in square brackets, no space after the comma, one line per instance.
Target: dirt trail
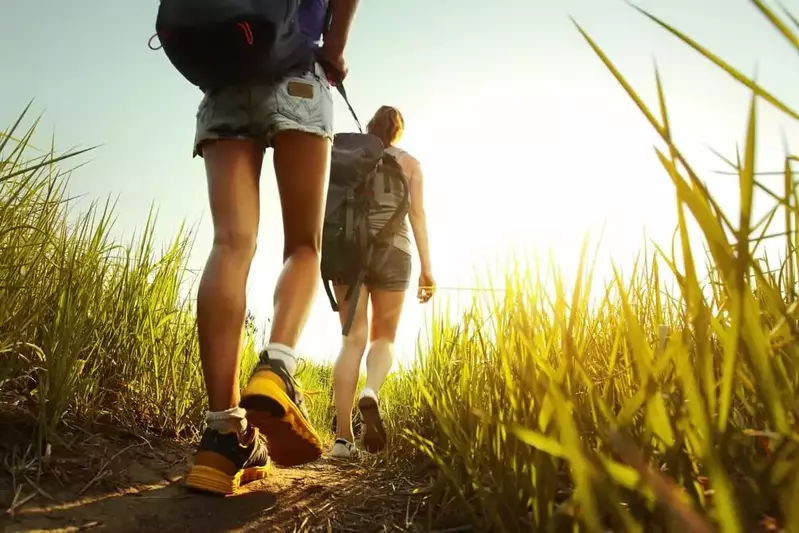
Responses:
[126,485]
[318,497]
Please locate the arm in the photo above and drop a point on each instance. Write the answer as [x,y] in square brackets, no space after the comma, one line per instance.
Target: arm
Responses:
[342,13]
[419,220]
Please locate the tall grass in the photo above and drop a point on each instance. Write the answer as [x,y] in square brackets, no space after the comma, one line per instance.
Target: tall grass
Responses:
[92,329]
[651,411]
[89,326]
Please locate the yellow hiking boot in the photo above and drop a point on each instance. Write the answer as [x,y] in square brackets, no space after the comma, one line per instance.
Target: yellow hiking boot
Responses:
[275,405]
[225,461]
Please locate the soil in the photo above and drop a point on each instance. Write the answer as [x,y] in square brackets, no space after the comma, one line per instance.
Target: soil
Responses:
[109,480]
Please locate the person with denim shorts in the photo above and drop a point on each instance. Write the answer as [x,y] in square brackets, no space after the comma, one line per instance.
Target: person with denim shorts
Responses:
[235,125]
[385,286]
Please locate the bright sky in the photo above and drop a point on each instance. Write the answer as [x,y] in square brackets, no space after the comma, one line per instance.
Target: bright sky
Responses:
[526,139]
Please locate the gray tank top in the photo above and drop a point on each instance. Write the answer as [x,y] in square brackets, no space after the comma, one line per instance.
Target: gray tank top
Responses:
[387,197]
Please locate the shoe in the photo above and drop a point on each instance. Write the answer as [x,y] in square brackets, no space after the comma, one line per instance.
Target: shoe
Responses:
[374,433]
[275,405]
[344,449]
[225,461]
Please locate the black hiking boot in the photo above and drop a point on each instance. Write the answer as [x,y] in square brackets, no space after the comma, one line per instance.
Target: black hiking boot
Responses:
[225,461]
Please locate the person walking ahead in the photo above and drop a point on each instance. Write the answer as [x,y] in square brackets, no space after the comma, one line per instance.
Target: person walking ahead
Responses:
[385,286]
[235,124]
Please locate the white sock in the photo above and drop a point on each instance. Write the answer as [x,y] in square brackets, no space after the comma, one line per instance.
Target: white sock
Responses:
[368,392]
[230,421]
[281,352]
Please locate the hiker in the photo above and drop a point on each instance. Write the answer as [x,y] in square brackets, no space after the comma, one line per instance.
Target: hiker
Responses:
[237,120]
[385,284]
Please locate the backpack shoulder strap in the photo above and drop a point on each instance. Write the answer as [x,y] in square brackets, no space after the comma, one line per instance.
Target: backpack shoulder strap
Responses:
[392,167]
[343,92]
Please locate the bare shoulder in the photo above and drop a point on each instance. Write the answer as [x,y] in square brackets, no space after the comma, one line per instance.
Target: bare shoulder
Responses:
[415,162]
[409,163]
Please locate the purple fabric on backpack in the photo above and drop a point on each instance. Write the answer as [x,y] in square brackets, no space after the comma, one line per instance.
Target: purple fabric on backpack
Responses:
[311,17]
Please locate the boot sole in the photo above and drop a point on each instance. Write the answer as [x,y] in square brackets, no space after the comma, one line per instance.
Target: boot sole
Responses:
[291,439]
[374,434]
[212,481]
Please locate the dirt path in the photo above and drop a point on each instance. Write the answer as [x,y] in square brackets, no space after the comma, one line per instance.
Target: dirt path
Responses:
[318,497]
[127,485]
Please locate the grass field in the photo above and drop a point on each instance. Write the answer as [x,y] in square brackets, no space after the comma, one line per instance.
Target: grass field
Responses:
[650,411]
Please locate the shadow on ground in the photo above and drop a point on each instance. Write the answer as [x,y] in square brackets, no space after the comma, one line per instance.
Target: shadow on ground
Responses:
[98,481]
[164,509]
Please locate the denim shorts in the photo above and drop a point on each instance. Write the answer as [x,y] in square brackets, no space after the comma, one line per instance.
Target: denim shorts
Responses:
[301,102]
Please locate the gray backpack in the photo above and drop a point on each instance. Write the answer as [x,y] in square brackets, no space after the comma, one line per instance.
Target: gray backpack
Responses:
[359,163]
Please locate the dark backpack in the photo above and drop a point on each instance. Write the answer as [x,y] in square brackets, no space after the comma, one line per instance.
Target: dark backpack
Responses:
[222,42]
[348,245]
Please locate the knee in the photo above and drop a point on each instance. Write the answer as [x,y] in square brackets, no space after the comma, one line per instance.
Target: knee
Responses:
[356,341]
[307,251]
[382,344]
[236,243]
[383,335]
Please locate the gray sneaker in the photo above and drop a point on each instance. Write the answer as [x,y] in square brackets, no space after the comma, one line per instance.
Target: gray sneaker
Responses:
[344,449]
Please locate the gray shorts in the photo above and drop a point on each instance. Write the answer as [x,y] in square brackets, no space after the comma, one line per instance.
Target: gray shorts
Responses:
[301,102]
[391,274]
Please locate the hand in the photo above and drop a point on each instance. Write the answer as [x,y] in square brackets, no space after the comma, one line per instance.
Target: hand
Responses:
[427,287]
[332,59]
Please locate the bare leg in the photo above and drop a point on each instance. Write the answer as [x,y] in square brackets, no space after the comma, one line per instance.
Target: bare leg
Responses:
[233,168]
[273,401]
[230,453]
[386,310]
[348,364]
[302,164]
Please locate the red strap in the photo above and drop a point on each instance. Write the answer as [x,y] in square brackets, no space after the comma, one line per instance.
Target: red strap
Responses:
[245,27]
